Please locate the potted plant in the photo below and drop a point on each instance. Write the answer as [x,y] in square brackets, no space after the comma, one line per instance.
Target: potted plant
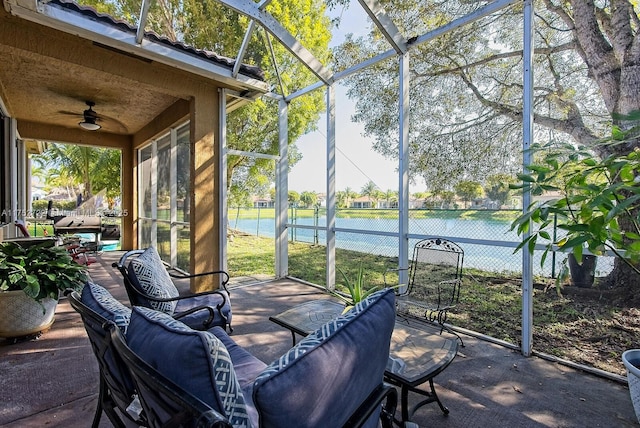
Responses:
[593,204]
[598,206]
[31,278]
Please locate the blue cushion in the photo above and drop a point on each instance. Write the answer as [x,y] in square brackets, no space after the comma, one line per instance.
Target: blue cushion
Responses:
[101,301]
[195,360]
[151,276]
[196,319]
[322,380]
[246,366]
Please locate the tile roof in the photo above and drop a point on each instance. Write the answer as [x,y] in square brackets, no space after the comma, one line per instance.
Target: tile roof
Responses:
[90,12]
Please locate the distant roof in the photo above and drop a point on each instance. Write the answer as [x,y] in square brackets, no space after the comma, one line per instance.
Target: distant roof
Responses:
[247,70]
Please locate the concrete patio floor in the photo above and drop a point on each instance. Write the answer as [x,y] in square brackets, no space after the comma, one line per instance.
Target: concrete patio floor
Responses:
[53,381]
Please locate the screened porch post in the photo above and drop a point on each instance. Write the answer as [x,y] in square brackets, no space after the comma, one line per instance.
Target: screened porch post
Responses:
[282,192]
[222,177]
[403,170]
[206,224]
[527,131]
[173,199]
[331,187]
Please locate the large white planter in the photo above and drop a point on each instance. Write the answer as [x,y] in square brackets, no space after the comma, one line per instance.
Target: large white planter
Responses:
[20,315]
[631,360]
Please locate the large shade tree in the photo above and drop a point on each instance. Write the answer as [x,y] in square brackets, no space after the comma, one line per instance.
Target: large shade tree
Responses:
[466,86]
[209,25]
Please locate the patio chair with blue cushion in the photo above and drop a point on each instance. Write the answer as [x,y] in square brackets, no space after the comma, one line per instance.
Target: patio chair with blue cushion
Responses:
[149,283]
[165,403]
[96,307]
[332,378]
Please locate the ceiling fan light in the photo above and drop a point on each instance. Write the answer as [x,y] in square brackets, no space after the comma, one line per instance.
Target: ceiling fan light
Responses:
[89,126]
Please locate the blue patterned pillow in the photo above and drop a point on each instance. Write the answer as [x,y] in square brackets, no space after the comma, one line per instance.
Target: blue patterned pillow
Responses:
[336,367]
[101,301]
[195,360]
[154,279]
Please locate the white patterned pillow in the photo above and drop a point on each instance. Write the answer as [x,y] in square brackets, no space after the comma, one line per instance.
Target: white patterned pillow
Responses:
[101,301]
[196,360]
[154,279]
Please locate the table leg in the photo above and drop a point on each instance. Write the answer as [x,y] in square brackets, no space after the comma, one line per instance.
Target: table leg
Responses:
[404,403]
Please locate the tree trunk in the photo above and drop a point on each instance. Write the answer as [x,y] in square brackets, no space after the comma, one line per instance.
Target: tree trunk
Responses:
[626,281]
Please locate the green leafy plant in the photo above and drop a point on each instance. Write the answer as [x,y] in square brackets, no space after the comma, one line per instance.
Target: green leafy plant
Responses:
[40,270]
[596,203]
[357,288]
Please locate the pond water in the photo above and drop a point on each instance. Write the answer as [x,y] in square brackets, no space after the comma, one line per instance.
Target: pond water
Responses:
[497,257]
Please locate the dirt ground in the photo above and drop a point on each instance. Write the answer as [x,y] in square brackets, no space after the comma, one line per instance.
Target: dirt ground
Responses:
[596,332]
[582,325]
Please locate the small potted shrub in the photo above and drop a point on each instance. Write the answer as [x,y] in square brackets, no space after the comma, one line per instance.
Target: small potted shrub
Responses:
[31,278]
[598,208]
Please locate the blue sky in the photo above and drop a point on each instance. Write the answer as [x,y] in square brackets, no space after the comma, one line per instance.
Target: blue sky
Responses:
[356,162]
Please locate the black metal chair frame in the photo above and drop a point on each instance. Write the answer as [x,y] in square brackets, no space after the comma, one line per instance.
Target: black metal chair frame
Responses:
[447,292]
[138,297]
[116,387]
[165,404]
[387,397]
[168,405]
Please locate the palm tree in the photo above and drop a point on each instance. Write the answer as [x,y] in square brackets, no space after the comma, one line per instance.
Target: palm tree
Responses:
[88,167]
[391,197]
[370,190]
[349,195]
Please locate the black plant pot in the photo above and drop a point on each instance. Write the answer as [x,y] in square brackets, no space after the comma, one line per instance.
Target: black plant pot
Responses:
[583,273]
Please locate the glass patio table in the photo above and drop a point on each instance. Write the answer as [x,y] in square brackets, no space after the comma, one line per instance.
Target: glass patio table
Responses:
[416,356]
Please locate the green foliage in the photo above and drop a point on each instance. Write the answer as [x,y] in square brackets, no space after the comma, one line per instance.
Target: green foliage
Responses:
[40,270]
[309,199]
[40,206]
[293,197]
[74,165]
[466,89]
[468,190]
[596,203]
[357,288]
[497,187]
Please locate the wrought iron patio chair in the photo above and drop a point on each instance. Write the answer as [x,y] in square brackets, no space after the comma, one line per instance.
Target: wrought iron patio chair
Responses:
[165,404]
[435,279]
[116,387]
[148,282]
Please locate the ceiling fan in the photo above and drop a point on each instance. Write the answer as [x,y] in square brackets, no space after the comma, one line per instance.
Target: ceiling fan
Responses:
[89,118]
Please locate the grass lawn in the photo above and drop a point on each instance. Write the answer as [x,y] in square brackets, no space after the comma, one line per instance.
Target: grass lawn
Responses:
[579,326]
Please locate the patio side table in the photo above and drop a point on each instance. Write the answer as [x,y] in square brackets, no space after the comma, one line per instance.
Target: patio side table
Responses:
[415,356]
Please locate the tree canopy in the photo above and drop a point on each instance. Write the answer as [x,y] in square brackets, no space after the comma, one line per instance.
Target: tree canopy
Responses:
[208,25]
[87,170]
[466,86]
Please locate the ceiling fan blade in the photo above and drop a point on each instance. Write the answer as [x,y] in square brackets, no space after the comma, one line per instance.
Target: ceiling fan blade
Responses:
[112,121]
[70,113]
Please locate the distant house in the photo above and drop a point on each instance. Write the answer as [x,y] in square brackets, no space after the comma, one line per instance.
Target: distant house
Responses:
[363,202]
[322,199]
[263,203]
[384,204]
[414,203]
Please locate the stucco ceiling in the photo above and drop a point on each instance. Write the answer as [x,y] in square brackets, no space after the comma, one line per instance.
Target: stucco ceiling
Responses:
[54,92]
[55,58]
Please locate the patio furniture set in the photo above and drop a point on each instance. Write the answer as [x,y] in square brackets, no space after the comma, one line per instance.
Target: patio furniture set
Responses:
[168,360]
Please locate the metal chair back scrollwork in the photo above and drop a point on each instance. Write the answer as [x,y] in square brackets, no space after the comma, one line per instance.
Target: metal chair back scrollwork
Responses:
[435,280]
